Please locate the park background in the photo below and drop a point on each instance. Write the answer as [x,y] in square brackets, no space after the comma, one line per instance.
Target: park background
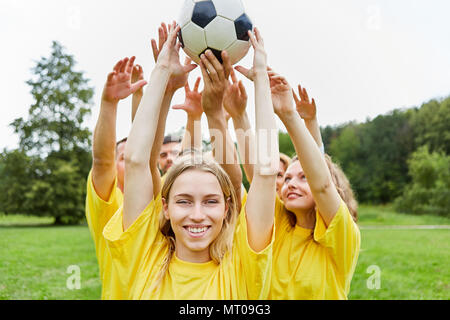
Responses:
[379,71]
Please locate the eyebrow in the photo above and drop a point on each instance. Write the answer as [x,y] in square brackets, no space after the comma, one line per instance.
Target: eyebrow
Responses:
[190,195]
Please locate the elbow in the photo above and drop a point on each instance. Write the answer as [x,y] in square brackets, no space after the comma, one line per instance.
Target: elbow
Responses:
[323,187]
[133,160]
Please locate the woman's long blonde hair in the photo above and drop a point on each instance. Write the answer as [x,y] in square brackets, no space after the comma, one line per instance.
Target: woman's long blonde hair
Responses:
[224,241]
[343,187]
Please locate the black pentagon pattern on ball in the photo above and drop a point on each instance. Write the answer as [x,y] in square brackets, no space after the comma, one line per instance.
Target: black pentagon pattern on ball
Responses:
[243,25]
[217,53]
[204,13]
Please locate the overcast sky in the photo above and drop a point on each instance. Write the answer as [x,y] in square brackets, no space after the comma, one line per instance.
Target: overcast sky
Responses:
[357,58]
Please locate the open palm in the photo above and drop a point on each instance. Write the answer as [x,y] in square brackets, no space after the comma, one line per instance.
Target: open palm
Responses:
[118,85]
[306,108]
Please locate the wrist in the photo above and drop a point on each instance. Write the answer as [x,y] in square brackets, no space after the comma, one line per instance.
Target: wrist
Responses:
[111,104]
[240,118]
[288,115]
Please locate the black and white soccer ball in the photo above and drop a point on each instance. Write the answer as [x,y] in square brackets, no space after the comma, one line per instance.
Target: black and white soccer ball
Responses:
[217,25]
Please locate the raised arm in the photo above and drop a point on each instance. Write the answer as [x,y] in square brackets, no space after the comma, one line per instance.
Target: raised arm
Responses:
[308,112]
[176,81]
[193,107]
[215,78]
[138,191]
[311,158]
[235,103]
[118,86]
[260,206]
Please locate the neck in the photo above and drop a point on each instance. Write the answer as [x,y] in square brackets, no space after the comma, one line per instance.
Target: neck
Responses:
[192,256]
[306,218]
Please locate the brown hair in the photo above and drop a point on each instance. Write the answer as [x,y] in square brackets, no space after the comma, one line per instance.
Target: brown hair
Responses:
[343,187]
[224,240]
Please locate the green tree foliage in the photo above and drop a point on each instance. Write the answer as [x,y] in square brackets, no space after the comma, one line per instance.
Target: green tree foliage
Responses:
[429,190]
[47,174]
[285,144]
[431,125]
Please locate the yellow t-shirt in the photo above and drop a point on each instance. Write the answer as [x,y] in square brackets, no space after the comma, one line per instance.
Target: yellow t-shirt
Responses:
[98,213]
[138,254]
[314,264]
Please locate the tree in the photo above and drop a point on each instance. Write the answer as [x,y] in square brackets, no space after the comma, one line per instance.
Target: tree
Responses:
[54,134]
[429,191]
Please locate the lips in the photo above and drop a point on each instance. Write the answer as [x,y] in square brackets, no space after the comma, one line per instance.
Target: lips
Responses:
[197,231]
[293,195]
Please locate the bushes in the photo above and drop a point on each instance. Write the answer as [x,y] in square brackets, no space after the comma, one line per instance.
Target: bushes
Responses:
[429,191]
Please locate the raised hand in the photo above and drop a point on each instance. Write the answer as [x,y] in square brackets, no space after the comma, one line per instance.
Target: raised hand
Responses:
[260,56]
[281,93]
[137,75]
[179,73]
[193,101]
[235,98]
[215,78]
[307,109]
[119,84]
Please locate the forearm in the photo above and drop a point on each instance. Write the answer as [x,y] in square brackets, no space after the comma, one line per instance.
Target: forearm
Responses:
[193,134]
[246,142]
[135,102]
[261,196]
[104,149]
[144,131]
[224,151]
[314,129]
[138,190]
[314,166]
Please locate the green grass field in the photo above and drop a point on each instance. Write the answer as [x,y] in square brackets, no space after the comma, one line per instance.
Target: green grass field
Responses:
[413,264]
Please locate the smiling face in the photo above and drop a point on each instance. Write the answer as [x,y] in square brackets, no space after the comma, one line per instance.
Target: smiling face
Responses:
[296,193]
[196,209]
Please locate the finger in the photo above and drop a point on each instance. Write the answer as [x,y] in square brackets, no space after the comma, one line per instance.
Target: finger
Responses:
[117,66]
[187,88]
[233,76]
[130,64]
[300,93]
[216,65]
[210,68]
[187,61]
[242,90]
[155,50]
[305,93]
[189,68]
[252,39]
[123,66]
[206,78]
[172,38]
[296,99]
[226,64]
[165,32]
[161,39]
[197,84]
[138,85]
[111,76]
[313,102]
[258,36]
[244,71]
[179,107]
[140,71]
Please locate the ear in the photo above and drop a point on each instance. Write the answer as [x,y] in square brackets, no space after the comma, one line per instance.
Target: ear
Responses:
[165,207]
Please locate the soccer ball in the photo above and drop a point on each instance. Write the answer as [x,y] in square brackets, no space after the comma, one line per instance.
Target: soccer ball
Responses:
[216,25]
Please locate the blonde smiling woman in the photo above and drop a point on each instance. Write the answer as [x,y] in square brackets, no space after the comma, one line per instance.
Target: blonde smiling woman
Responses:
[184,243]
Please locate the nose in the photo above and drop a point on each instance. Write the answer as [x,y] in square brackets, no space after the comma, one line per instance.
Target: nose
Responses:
[197,214]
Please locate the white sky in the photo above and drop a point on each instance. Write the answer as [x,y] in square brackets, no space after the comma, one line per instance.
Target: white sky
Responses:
[357,58]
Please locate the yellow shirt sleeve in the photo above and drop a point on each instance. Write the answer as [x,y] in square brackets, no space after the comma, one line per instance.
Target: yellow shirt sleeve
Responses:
[140,244]
[342,239]
[255,268]
[98,213]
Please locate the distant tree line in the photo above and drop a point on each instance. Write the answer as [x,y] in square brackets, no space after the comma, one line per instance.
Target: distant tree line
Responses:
[402,157]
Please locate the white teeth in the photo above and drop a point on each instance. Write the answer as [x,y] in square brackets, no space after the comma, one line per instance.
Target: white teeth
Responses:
[197,230]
